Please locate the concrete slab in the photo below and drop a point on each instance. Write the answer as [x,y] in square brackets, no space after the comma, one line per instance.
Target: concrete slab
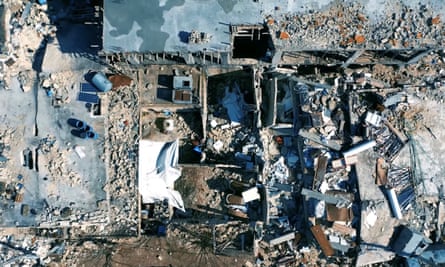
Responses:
[141,26]
[59,178]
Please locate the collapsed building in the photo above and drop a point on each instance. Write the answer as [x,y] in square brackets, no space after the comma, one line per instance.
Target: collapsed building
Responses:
[291,134]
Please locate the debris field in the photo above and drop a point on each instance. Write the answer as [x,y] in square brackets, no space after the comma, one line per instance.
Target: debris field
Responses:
[308,134]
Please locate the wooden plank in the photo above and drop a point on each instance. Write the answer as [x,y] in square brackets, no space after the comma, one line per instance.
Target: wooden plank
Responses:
[382,173]
[281,239]
[19,198]
[326,247]
[320,170]
[402,137]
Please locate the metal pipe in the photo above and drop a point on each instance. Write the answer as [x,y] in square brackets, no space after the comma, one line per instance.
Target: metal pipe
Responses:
[359,148]
[394,203]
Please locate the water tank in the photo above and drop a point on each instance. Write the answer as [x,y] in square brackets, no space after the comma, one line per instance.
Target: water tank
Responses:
[101,82]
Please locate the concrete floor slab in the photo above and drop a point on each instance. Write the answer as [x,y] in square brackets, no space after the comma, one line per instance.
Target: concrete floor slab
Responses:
[59,178]
[144,27]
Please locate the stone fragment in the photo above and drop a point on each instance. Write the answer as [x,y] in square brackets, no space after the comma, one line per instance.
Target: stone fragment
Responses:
[435,20]
[359,39]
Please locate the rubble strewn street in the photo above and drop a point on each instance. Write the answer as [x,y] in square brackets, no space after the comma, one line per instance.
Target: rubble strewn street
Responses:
[222,133]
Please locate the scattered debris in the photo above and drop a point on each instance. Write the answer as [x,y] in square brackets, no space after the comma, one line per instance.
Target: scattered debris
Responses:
[270,164]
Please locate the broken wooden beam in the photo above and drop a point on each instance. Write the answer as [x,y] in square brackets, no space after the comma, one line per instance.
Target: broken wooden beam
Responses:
[325,246]
[281,239]
[402,137]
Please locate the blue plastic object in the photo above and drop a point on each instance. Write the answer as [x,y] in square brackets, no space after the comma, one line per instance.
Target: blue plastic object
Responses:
[86,87]
[89,135]
[19,186]
[162,230]
[197,149]
[80,125]
[90,98]
[101,82]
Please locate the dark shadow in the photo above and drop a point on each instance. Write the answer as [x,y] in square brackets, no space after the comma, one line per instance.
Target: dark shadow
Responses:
[2,28]
[372,245]
[255,211]
[89,107]
[218,183]
[164,87]
[216,212]
[165,80]
[164,94]
[184,36]
[217,83]
[78,23]
[89,76]
[187,152]
[244,241]
[39,55]
[153,227]
[159,122]
[253,43]
[193,215]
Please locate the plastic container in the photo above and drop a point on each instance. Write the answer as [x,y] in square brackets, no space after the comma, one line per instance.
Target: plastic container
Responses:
[101,82]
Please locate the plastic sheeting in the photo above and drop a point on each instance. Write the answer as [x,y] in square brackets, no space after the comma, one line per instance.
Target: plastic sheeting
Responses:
[158,171]
[234,103]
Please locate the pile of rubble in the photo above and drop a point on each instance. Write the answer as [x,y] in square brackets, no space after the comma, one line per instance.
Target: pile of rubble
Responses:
[30,25]
[346,26]
[196,37]
[6,136]
[121,156]
[231,137]
[28,249]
